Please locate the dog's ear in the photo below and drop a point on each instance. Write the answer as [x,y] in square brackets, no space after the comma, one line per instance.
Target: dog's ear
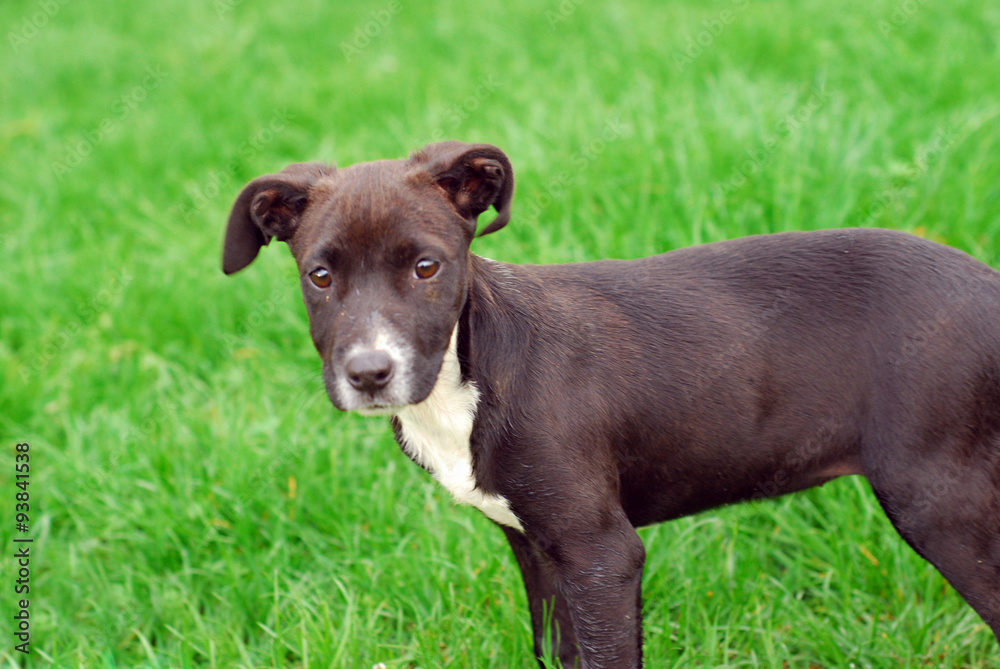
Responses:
[474,177]
[269,206]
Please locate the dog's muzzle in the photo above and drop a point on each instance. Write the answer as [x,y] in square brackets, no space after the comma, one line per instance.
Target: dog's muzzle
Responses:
[372,378]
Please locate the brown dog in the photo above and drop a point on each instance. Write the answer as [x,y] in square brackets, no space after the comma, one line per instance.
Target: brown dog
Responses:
[572,403]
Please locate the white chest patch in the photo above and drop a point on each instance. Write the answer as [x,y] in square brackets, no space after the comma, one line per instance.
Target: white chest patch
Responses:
[436,434]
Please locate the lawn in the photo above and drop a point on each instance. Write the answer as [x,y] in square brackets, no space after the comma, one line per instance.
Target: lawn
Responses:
[195,500]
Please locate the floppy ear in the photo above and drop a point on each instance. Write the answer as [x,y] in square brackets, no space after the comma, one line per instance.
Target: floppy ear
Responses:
[474,177]
[269,206]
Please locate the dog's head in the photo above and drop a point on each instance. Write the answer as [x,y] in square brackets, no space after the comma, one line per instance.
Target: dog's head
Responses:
[383,256]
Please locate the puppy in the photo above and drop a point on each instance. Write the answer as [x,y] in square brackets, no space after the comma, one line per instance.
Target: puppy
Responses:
[573,403]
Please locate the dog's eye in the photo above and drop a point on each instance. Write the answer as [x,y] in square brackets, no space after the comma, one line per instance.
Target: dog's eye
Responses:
[426,268]
[320,278]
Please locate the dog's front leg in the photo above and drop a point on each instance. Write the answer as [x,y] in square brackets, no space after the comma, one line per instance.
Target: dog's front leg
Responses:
[551,623]
[599,563]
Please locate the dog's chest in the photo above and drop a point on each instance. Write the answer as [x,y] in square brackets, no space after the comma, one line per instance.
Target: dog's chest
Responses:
[436,432]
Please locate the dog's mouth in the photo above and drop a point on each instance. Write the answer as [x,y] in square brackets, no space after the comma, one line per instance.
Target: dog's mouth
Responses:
[383,402]
[388,400]
[383,380]
[378,409]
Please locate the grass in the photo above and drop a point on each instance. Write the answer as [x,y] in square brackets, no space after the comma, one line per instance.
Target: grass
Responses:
[196,501]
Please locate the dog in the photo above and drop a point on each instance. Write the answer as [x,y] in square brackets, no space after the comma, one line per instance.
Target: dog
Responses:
[573,403]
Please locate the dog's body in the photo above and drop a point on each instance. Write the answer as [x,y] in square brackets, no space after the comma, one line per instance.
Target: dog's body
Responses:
[572,403]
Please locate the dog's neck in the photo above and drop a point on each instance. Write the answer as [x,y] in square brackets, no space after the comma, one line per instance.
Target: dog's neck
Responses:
[436,434]
[496,321]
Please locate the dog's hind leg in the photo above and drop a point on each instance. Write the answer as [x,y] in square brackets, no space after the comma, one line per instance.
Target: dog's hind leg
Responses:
[550,617]
[945,502]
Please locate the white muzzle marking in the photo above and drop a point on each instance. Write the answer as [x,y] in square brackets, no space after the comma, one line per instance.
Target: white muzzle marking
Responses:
[388,400]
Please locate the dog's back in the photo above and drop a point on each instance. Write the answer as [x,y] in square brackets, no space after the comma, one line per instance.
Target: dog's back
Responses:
[740,356]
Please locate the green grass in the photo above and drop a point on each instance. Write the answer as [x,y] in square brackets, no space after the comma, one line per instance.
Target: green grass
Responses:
[197,502]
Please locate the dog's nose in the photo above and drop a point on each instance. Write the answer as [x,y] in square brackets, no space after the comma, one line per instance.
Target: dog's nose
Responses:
[369,371]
